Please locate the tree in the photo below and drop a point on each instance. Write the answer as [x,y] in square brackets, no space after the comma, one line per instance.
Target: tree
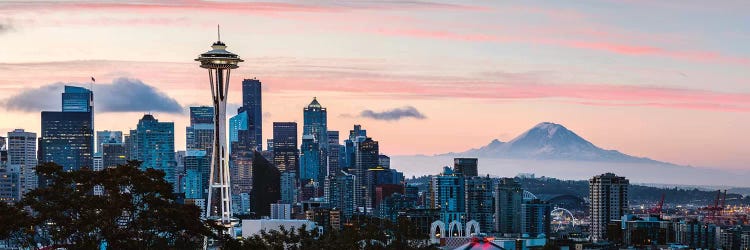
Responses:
[15,224]
[137,210]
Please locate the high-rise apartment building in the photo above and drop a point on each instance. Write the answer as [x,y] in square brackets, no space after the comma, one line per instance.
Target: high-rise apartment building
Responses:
[365,157]
[334,165]
[608,194]
[479,202]
[447,193]
[288,187]
[22,160]
[508,200]
[535,218]
[339,193]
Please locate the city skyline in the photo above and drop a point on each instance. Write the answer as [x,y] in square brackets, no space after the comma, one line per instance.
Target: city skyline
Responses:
[648,85]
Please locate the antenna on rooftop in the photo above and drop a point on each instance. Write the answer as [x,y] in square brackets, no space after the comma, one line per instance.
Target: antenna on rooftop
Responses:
[218,32]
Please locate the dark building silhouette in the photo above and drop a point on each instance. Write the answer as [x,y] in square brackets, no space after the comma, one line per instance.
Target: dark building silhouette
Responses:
[465,166]
[535,218]
[266,189]
[114,154]
[508,200]
[366,157]
[285,150]
[252,103]
[334,165]
[67,139]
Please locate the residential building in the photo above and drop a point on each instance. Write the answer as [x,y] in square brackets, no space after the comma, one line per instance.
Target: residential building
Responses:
[608,195]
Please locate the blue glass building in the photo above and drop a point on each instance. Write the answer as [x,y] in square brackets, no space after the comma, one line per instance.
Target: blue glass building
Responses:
[197,170]
[316,121]
[447,193]
[237,123]
[310,167]
[153,143]
[77,99]
[315,132]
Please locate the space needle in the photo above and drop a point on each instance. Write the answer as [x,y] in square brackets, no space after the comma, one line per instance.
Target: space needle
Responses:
[219,63]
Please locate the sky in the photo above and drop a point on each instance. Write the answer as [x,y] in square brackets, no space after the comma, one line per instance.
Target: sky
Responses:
[667,80]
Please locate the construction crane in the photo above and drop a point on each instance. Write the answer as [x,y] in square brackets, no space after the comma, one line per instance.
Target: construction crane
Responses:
[716,208]
[657,209]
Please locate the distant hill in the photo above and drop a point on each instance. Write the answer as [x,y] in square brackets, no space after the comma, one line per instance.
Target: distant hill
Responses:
[550,141]
[639,194]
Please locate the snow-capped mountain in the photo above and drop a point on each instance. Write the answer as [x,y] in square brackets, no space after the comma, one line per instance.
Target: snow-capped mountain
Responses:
[550,141]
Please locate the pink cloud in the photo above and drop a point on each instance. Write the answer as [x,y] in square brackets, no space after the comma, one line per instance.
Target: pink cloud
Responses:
[609,47]
[358,78]
[226,6]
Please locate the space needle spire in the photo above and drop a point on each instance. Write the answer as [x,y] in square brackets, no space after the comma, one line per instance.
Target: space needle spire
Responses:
[219,62]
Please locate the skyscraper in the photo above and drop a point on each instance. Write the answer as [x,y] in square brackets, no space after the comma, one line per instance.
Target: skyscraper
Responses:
[288,187]
[366,157]
[285,150]
[253,104]
[535,218]
[310,167]
[265,190]
[9,189]
[197,167]
[608,194]
[199,135]
[107,136]
[508,199]
[154,145]
[465,166]
[340,193]
[67,139]
[384,161]
[316,127]
[349,148]
[77,99]
[241,163]
[202,114]
[114,154]
[22,160]
[447,194]
[479,202]
[333,153]
[237,123]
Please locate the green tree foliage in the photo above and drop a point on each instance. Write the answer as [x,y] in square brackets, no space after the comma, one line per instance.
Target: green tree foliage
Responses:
[137,210]
[361,232]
